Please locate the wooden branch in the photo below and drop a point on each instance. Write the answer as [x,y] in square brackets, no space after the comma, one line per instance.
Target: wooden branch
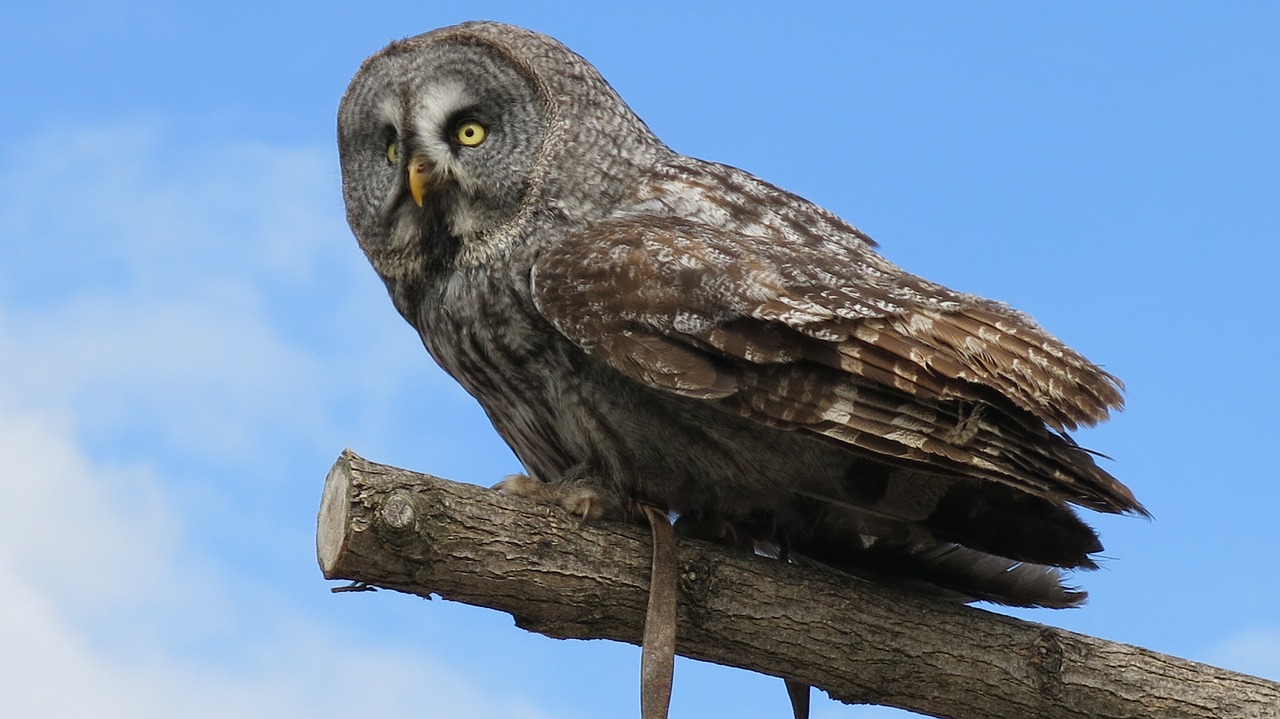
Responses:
[859,642]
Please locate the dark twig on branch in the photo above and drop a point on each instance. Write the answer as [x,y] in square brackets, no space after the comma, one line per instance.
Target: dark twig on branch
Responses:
[859,642]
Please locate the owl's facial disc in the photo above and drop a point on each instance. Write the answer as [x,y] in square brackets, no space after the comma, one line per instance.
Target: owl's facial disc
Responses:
[438,139]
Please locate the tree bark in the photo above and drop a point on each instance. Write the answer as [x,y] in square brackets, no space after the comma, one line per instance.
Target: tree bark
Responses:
[860,642]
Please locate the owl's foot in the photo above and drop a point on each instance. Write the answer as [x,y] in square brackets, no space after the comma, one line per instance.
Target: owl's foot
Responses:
[580,498]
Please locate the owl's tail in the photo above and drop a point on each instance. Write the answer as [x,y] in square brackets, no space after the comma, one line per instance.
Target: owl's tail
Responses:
[990,543]
[953,572]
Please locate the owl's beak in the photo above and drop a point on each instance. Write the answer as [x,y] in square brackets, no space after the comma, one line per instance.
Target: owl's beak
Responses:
[419,177]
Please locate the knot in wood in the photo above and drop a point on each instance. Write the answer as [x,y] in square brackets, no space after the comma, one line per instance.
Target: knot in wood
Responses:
[696,584]
[398,512]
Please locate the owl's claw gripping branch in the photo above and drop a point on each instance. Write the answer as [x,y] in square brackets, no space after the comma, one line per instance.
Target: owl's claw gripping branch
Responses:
[658,654]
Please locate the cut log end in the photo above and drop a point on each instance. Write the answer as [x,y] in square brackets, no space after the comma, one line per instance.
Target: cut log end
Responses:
[331,524]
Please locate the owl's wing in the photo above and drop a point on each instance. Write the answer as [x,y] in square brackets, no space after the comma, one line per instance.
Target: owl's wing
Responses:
[835,340]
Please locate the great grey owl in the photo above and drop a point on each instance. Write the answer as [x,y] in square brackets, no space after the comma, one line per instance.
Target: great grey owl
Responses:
[643,326]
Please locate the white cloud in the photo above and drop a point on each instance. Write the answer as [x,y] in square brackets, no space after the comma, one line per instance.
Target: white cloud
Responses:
[209,298]
[163,306]
[78,548]
[98,585]
[200,373]
[139,206]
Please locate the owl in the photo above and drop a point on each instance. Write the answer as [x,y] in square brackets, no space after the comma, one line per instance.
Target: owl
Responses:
[645,327]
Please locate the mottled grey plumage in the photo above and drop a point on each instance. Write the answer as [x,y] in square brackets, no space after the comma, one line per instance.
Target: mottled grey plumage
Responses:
[643,325]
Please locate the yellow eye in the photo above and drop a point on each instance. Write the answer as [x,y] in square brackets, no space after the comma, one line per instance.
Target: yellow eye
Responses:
[470,133]
[393,153]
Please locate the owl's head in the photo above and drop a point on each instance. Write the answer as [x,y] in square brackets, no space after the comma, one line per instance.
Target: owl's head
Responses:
[454,141]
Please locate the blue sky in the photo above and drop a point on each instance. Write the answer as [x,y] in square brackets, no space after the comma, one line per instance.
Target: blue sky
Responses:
[189,335]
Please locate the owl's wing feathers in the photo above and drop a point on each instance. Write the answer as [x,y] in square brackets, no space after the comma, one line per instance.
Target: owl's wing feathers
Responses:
[830,338]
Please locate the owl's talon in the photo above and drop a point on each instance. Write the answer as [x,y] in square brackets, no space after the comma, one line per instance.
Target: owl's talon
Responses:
[583,501]
[520,485]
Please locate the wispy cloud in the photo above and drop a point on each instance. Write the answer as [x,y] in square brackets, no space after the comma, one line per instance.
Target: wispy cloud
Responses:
[141,206]
[197,373]
[208,294]
[96,545]
[168,310]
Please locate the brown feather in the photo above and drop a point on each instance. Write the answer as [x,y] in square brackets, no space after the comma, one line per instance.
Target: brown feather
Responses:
[764,351]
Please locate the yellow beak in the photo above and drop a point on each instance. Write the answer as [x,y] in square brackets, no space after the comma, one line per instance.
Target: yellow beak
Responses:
[419,178]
